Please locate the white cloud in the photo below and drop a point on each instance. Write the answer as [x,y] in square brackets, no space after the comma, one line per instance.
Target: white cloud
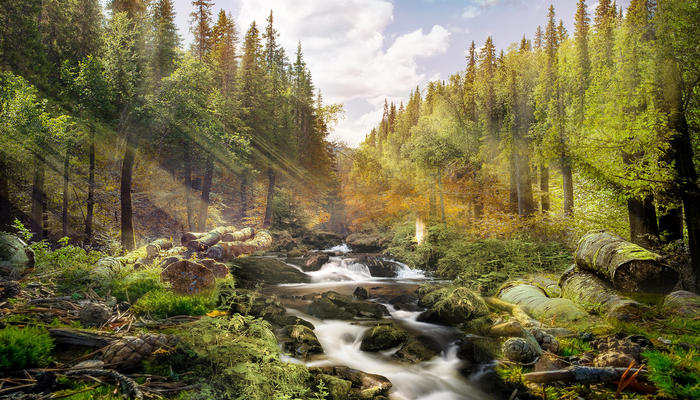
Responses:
[471,12]
[349,56]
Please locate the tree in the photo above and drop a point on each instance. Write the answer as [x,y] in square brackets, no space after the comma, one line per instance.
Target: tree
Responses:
[166,41]
[201,27]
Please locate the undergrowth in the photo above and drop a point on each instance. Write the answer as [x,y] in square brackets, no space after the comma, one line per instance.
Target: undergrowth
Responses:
[136,284]
[163,304]
[676,374]
[24,347]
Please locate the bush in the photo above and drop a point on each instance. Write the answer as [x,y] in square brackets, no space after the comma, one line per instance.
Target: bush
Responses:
[24,347]
[163,304]
[238,358]
[72,266]
[136,284]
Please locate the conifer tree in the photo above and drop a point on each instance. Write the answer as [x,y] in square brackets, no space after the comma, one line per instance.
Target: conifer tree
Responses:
[200,18]
[165,39]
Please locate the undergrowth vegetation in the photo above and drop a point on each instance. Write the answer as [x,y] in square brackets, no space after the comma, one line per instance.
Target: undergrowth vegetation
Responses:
[24,347]
[481,264]
[163,304]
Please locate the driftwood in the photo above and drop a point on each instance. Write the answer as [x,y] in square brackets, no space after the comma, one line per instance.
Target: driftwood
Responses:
[595,295]
[128,386]
[154,248]
[81,337]
[582,375]
[534,302]
[627,266]
[239,236]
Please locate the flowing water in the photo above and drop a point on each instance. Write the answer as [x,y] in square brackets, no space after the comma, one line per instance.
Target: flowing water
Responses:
[436,379]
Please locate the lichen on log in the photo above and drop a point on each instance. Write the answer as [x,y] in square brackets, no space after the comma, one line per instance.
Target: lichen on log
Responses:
[535,302]
[629,267]
[595,295]
[154,248]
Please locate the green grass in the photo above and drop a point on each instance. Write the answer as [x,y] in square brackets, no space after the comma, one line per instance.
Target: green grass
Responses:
[573,347]
[24,347]
[136,284]
[676,374]
[164,304]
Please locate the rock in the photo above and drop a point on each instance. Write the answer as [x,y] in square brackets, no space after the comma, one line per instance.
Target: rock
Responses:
[683,303]
[405,302]
[321,240]
[187,277]
[519,350]
[338,389]
[452,306]
[315,261]
[476,350]
[418,349]
[302,341]
[9,289]
[379,267]
[364,385]
[332,305]
[383,337]
[267,308]
[295,253]
[361,293]
[365,242]
[283,241]
[549,362]
[93,314]
[15,256]
[252,271]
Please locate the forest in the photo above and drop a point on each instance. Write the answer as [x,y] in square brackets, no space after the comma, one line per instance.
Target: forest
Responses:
[178,220]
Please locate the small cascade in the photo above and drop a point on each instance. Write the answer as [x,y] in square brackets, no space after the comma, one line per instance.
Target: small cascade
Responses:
[341,269]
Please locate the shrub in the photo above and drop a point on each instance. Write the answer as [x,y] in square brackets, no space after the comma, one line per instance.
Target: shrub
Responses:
[136,284]
[24,347]
[163,304]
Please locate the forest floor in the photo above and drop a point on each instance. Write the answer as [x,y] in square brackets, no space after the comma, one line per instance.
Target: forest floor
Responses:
[61,324]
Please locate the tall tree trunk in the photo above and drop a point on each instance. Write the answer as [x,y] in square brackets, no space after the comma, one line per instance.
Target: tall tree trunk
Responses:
[5,210]
[568,186]
[442,197]
[37,221]
[670,224]
[526,203]
[188,188]
[270,196]
[66,177]
[544,188]
[642,218]
[127,217]
[513,172]
[206,190]
[91,188]
[244,196]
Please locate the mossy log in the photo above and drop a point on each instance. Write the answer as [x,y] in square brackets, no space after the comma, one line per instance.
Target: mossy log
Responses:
[176,251]
[188,237]
[535,302]
[595,295]
[231,250]
[138,255]
[586,375]
[154,248]
[210,239]
[239,236]
[683,303]
[627,266]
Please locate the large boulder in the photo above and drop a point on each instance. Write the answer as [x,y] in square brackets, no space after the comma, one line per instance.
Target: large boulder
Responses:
[15,256]
[251,271]
[452,306]
[363,385]
[301,341]
[378,267]
[315,261]
[321,240]
[383,337]
[365,242]
[332,305]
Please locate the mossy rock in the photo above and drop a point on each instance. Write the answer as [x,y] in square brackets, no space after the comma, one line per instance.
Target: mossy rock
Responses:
[251,271]
[365,242]
[418,349]
[301,341]
[383,337]
[332,305]
[338,389]
[452,306]
[15,256]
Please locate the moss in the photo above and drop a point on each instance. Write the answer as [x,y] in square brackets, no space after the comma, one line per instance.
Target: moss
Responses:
[382,337]
[136,284]
[24,347]
[573,346]
[452,305]
[675,374]
[164,304]
[337,388]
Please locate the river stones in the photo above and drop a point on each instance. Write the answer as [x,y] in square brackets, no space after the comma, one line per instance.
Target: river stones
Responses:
[301,341]
[333,305]
[452,306]
[383,337]
[418,349]
[405,302]
[361,293]
[315,261]
[365,242]
[363,385]
[15,256]
[321,240]
[251,271]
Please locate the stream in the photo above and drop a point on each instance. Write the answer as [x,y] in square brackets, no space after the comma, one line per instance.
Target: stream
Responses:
[435,379]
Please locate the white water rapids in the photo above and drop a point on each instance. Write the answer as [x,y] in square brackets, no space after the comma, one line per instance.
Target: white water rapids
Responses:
[436,379]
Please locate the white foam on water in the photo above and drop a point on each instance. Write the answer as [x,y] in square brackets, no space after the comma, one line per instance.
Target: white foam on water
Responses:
[341,248]
[341,269]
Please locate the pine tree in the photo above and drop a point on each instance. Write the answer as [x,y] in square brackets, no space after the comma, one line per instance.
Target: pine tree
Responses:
[562,33]
[539,38]
[133,8]
[224,52]
[201,27]
[165,39]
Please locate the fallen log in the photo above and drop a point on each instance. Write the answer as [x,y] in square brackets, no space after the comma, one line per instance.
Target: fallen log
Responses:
[176,251]
[187,277]
[208,240]
[534,302]
[81,338]
[627,266]
[188,237]
[138,255]
[231,250]
[515,310]
[683,303]
[154,248]
[582,375]
[596,296]
[239,236]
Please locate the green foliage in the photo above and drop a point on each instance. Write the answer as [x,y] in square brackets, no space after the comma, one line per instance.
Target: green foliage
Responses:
[136,284]
[510,374]
[675,374]
[573,346]
[286,212]
[238,358]
[163,304]
[24,347]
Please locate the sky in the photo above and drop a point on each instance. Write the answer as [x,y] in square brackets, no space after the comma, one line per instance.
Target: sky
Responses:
[363,51]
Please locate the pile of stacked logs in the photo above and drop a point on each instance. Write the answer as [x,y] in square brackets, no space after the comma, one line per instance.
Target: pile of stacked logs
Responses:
[193,266]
